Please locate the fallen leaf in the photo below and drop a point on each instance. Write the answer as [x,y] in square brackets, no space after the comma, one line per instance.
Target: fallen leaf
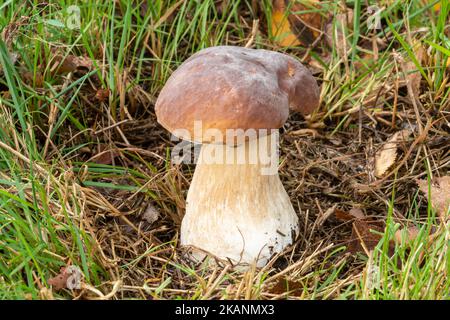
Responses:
[33,79]
[386,156]
[439,194]
[407,233]
[281,28]
[317,66]
[307,26]
[69,277]
[70,63]
[59,281]
[75,277]
[295,27]
[105,156]
[151,214]
[102,95]
[354,213]
[365,231]
[284,286]
[357,213]
[437,7]
[363,238]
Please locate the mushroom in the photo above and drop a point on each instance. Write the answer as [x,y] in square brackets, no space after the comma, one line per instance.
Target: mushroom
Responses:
[233,100]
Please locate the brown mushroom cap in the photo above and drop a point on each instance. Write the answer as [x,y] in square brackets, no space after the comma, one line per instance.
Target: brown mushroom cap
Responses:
[228,87]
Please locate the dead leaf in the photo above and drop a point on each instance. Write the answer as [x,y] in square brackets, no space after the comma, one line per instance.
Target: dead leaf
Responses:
[281,28]
[317,66]
[354,213]
[102,95]
[386,156]
[104,155]
[357,213]
[363,238]
[33,79]
[411,234]
[69,277]
[75,277]
[365,231]
[295,28]
[59,281]
[284,286]
[306,26]
[440,194]
[151,214]
[437,7]
[70,63]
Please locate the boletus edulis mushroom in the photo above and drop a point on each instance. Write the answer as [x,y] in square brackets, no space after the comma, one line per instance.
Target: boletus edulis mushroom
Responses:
[233,100]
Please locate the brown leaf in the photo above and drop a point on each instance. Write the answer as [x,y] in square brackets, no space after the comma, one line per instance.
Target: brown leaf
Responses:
[291,28]
[386,156]
[59,281]
[70,63]
[343,215]
[104,155]
[102,95]
[33,79]
[411,234]
[354,213]
[306,26]
[440,194]
[357,213]
[284,285]
[69,277]
[363,239]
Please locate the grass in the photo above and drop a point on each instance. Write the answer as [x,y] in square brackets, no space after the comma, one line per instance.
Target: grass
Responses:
[60,204]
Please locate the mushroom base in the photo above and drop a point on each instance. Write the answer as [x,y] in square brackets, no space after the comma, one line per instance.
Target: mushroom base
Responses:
[234,211]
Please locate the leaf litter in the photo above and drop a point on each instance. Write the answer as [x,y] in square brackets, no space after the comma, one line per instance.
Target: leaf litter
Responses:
[366,231]
[438,194]
[387,155]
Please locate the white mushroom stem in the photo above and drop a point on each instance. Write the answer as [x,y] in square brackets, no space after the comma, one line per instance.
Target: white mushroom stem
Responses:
[234,210]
